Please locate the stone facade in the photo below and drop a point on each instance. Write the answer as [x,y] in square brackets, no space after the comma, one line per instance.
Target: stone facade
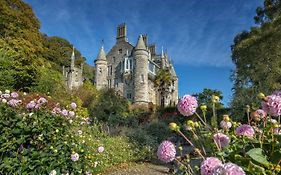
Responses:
[73,76]
[131,71]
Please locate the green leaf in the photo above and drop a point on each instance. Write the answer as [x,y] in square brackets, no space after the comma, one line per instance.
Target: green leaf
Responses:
[257,155]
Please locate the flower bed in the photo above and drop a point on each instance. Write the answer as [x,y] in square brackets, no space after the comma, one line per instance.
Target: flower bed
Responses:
[232,148]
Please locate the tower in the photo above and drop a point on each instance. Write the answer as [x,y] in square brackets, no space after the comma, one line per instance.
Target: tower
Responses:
[141,73]
[101,70]
[71,73]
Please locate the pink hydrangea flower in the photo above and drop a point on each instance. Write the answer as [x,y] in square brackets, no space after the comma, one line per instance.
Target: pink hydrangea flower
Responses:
[74,157]
[272,105]
[64,112]
[73,105]
[187,105]
[71,114]
[100,149]
[5,96]
[229,169]
[209,165]
[14,95]
[42,100]
[14,102]
[221,140]
[166,151]
[245,130]
[56,110]
[31,105]
[225,125]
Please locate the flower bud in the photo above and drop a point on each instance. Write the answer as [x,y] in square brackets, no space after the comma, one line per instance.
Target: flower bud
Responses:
[215,99]
[261,95]
[203,107]
[276,125]
[173,126]
[190,123]
[196,124]
[226,118]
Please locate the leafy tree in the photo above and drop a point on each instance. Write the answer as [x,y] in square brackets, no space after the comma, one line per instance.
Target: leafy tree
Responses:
[267,13]
[257,57]
[205,97]
[163,81]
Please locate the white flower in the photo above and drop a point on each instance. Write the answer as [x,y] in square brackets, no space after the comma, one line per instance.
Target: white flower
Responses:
[7,91]
[95,164]
[53,172]
[24,93]
[4,101]
[70,121]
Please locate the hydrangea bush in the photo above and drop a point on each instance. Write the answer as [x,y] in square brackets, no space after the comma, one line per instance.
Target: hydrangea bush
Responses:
[39,136]
[230,148]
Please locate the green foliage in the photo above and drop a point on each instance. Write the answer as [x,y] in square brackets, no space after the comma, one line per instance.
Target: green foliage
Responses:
[205,97]
[7,72]
[110,107]
[256,55]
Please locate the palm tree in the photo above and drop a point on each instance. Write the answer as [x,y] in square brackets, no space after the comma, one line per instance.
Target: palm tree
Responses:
[163,81]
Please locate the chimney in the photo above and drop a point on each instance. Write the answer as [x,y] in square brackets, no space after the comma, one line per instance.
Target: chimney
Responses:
[121,33]
[152,49]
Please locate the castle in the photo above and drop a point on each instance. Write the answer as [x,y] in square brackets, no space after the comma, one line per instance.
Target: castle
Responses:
[131,71]
[73,75]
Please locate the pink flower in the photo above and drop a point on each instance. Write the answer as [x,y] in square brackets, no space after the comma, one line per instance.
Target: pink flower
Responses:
[221,140]
[42,100]
[74,157]
[31,105]
[5,96]
[225,125]
[71,114]
[14,95]
[229,169]
[245,130]
[272,105]
[56,110]
[14,102]
[209,165]
[100,149]
[262,113]
[73,105]
[187,105]
[64,112]
[166,151]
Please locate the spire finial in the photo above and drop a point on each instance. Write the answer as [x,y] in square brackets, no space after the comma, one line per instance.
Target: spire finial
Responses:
[162,53]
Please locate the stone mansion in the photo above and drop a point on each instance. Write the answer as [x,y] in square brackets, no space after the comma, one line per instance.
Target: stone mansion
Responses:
[131,71]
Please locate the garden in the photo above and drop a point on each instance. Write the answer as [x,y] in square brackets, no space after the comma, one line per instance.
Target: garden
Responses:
[47,129]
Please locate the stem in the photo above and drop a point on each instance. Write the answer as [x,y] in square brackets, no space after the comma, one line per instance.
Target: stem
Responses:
[204,115]
[201,119]
[185,138]
[214,118]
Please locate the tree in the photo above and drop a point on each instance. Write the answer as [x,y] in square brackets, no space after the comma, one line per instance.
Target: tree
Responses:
[163,81]
[205,97]
[257,57]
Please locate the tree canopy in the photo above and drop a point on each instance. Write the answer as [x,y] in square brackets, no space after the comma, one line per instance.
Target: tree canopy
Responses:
[257,57]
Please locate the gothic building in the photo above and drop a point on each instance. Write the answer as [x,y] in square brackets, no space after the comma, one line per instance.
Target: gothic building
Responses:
[131,71]
[73,75]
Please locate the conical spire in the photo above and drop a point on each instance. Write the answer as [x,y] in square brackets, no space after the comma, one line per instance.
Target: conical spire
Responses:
[101,55]
[72,58]
[162,53]
[140,45]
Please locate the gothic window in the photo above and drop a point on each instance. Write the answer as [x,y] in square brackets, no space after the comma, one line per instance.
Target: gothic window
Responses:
[131,64]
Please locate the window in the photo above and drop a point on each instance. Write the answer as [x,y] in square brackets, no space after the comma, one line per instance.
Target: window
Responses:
[131,64]
[114,59]
[109,70]
[100,70]
[142,78]
[120,51]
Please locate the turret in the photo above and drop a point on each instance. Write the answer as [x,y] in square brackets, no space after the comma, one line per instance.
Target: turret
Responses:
[141,73]
[101,70]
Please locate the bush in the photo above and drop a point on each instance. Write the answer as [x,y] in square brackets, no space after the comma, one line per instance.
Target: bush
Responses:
[48,137]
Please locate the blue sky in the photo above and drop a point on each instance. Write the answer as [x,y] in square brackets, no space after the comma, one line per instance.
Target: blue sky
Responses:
[197,34]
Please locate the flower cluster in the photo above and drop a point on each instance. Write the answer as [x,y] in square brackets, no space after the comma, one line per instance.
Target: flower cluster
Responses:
[245,130]
[187,105]
[221,140]
[36,104]
[166,151]
[272,104]
[10,98]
